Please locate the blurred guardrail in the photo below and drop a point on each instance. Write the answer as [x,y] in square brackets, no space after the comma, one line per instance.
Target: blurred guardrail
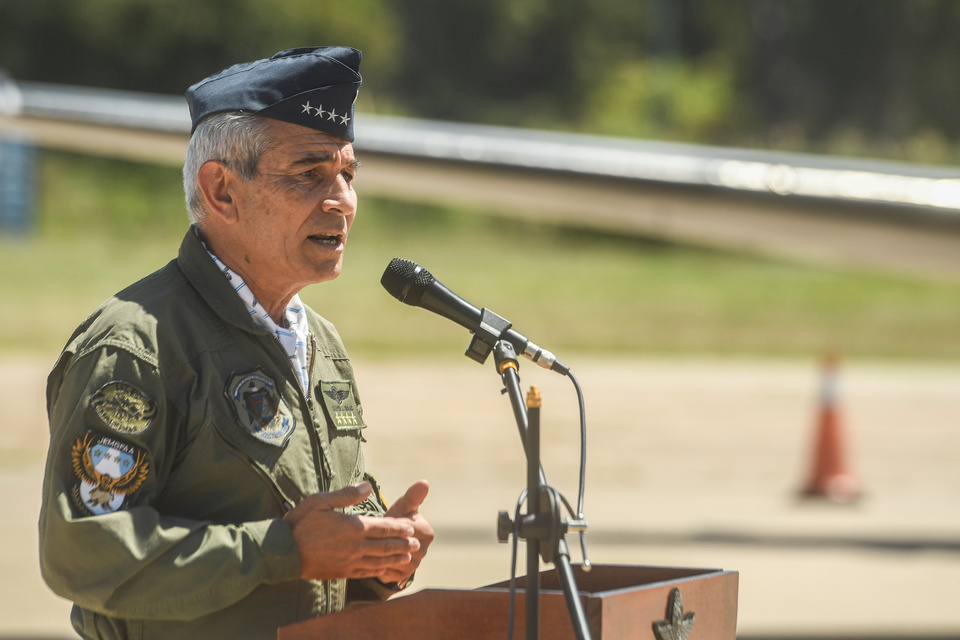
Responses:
[809,205]
[753,171]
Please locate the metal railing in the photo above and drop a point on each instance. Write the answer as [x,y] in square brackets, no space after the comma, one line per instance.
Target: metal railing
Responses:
[784,174]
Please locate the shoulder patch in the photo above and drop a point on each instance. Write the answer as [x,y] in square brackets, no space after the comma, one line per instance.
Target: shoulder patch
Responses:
[123,407]
[107,471]
[259,408]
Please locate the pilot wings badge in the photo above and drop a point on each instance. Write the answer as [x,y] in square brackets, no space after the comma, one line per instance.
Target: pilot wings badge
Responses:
[337,395]
[107,471]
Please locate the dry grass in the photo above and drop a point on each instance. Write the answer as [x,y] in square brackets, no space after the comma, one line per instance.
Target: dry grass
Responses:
[104,224]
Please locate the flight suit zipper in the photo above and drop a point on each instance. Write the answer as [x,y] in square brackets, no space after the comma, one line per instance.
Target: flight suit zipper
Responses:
[319,457]
[320,461]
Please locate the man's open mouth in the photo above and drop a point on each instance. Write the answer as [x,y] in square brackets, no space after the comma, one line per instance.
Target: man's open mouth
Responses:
[328,239]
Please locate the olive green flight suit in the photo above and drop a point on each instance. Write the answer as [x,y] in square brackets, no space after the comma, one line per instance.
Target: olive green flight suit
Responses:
[179,437]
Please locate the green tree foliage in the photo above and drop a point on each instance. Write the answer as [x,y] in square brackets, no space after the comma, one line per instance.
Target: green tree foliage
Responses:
[852,76]
[164,46]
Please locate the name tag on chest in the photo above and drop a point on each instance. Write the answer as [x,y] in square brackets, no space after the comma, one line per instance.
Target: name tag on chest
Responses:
[341,404]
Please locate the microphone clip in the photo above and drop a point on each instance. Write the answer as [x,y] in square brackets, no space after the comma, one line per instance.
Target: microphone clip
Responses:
[487,335]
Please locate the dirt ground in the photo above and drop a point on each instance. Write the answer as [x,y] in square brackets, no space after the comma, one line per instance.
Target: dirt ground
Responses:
[692,463]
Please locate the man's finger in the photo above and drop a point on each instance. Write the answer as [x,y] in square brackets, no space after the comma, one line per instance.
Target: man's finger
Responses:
[381,565]
[389,527]
[389,547]
[346,497]
[409,503]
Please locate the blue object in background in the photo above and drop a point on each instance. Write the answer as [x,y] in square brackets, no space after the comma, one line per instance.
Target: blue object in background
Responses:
[17,181]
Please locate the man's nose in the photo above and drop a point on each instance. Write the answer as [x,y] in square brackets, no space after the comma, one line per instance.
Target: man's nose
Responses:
[341,199]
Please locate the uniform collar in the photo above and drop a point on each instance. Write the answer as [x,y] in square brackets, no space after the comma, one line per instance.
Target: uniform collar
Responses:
[203,275]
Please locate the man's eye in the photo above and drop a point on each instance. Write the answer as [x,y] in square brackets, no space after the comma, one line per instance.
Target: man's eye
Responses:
[348,176]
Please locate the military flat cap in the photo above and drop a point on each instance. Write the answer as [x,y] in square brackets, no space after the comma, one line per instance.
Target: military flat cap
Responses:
[311,86]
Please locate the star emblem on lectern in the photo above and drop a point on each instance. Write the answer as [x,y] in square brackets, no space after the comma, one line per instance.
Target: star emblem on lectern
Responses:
[679,625]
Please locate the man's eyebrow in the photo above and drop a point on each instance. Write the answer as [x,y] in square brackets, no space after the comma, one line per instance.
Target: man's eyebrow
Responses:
[309,161]
[313,160]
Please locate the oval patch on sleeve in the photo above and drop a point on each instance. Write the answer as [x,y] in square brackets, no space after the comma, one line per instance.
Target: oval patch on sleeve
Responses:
[123,407]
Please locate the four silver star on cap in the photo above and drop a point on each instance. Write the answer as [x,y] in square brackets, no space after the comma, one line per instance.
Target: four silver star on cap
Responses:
[318,111]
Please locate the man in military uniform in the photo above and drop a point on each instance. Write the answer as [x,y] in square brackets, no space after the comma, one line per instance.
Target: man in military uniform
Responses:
[205,477]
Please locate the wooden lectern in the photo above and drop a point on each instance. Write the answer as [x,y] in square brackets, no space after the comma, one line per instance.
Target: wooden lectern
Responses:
[620,602]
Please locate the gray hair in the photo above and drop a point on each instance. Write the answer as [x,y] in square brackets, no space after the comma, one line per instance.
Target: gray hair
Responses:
[234,138]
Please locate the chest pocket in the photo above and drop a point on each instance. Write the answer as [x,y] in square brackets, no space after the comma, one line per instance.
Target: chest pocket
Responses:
[260,426]
[345,416]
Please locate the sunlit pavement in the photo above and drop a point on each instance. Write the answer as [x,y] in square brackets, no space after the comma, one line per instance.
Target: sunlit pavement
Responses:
[691,463]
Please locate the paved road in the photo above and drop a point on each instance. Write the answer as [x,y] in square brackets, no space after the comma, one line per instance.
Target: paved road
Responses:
[691,463]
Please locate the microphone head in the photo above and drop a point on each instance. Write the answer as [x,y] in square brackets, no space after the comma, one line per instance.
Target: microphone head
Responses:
[406,280]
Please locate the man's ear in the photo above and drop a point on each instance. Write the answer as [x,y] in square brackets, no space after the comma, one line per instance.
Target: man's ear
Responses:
[216,183]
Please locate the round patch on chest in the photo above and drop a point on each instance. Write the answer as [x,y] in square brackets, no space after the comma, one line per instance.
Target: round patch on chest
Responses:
[259,408]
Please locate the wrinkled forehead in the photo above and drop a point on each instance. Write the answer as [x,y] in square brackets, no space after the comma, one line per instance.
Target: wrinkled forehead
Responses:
[296,143]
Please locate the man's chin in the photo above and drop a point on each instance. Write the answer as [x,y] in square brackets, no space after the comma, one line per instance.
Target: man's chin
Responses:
[327,271]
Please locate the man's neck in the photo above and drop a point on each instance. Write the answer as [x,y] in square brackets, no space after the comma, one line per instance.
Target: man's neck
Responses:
[273,303]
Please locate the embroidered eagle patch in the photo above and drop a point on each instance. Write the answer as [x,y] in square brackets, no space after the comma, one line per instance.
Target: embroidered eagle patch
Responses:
[107,471]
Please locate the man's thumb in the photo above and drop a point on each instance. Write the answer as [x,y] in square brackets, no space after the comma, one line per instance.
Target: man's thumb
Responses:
[409,503]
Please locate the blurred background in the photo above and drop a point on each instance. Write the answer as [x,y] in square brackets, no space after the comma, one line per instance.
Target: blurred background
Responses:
[701,338]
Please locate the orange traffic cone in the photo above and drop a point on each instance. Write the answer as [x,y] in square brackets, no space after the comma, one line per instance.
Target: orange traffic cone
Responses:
[830,475]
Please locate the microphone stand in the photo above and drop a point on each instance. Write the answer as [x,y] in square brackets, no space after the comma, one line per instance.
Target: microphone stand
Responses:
[542,526]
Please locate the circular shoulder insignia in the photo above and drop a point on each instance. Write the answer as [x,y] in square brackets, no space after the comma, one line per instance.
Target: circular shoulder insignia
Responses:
[123,407]
[259,408]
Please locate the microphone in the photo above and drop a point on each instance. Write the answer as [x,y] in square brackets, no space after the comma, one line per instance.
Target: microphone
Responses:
[411,284]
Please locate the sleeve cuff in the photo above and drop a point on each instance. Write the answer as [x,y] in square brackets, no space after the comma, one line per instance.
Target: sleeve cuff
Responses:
[280,554]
